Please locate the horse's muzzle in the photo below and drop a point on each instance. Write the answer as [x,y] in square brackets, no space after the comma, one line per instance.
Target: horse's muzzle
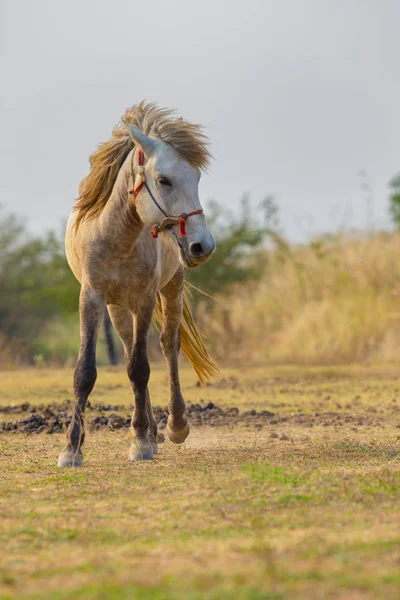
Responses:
[200,252]
[194,254]
[197,253]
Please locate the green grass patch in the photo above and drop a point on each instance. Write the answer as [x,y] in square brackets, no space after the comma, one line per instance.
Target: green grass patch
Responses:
[268,473]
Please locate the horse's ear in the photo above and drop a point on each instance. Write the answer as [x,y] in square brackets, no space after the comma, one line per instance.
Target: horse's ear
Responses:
[147,144]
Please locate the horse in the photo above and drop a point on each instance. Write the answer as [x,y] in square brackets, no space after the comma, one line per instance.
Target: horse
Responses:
[137,224]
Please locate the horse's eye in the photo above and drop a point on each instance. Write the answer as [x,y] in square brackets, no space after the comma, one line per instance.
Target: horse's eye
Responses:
[164,181]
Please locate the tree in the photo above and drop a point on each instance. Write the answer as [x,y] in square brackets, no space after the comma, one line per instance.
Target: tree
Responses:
[394,199]
[36,285]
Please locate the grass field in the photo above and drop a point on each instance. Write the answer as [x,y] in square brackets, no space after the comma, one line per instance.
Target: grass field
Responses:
[304,507]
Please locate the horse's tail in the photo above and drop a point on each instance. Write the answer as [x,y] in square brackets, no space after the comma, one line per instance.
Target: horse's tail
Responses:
[191,339]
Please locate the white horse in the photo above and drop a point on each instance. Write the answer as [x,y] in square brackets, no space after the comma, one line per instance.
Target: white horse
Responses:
[137,223]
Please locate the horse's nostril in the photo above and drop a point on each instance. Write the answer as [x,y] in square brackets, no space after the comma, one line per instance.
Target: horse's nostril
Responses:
[196,250]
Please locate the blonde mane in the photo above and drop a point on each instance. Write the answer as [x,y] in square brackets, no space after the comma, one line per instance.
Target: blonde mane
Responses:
[106,162]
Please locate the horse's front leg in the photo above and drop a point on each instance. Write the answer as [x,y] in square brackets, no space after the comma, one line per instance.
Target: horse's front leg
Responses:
[91,308]
[171,297]
[145,444]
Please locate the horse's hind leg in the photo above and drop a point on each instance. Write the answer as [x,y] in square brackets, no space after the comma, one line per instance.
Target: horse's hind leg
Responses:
[122,321]
[91,308]
[171,298]
[139,373]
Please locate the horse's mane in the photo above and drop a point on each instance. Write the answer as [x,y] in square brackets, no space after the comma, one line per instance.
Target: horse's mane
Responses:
[105,163]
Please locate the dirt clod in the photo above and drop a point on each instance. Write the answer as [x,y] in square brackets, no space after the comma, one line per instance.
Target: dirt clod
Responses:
[55,418]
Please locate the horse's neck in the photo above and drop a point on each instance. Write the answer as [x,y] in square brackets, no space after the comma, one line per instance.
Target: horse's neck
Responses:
[119,223]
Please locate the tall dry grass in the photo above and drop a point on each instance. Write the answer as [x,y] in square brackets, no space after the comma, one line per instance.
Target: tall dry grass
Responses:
[336,300]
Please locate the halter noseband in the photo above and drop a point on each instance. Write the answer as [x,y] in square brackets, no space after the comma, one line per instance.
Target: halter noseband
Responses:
[168,221]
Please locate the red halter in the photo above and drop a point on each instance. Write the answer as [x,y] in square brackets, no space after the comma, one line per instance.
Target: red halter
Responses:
[140,162]
[168,221]
[180,219]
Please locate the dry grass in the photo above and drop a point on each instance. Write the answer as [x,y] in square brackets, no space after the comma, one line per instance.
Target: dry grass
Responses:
[333,301]
[287,511]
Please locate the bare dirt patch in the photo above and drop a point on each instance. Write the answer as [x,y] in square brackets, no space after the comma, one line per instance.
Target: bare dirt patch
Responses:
[55,418]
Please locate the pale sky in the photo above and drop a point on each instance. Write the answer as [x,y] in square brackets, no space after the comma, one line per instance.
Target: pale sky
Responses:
[296,97]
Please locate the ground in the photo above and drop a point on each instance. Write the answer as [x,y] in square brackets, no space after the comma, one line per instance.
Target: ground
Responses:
[303,503]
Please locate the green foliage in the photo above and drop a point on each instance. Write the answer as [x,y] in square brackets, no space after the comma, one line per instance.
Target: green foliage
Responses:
[36,285]
[239,238]
[394,199]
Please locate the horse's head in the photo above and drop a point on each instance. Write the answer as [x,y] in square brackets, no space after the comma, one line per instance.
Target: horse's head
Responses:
[166,192]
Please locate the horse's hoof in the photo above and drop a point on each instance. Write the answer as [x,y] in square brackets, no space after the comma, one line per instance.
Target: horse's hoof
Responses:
[69,458]
[154,443]
[142,452]
[178,436]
